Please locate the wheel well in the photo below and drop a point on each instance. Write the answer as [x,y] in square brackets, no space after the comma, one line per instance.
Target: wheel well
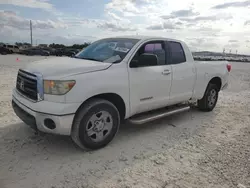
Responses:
[216,81]
[113,98]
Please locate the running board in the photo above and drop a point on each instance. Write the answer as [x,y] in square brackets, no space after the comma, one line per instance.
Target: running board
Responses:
[148,117]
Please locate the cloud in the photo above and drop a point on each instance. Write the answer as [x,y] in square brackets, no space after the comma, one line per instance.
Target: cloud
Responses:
[247,22]
[117,18]
[155,27]
[180,13]
[179,19]
[197,43]
[132,8]
[247,41]
[232,4]
[232,45]
[40,4]
[207,18]
[233,41]
[123,6]
[208,29]
[179,23]
[114,26]
[11,19]
[162,26]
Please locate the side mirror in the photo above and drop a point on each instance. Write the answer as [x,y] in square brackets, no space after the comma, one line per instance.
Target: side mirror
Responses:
[145,60]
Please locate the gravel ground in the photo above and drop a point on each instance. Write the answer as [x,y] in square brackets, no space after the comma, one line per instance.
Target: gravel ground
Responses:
[192,149]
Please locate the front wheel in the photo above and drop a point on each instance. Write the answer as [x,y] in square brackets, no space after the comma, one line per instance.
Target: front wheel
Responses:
[96,124]
[210,98]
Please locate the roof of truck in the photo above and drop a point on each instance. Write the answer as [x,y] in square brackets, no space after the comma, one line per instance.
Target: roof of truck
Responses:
[142,37]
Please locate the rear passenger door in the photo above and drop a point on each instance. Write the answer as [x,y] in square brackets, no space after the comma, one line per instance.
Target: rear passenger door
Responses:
[150,85]
[183,73]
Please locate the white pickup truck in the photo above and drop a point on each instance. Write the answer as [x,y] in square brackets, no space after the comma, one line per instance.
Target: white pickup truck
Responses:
[136,78]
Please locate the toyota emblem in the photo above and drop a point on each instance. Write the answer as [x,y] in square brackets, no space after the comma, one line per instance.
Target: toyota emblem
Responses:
[22,85]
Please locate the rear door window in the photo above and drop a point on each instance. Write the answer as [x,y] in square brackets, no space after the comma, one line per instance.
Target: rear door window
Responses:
[177,53]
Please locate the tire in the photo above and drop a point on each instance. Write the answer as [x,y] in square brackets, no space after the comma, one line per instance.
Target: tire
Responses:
[210,98]
[96,124]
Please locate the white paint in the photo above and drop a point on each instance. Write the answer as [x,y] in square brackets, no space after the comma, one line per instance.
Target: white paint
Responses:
[142,89]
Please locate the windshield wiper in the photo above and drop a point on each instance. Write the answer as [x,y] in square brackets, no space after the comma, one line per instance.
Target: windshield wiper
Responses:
[92,59]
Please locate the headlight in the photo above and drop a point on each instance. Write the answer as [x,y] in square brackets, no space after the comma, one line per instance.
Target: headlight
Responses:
[56,87]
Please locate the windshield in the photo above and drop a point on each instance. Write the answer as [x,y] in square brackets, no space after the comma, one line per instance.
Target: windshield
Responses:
[112,50]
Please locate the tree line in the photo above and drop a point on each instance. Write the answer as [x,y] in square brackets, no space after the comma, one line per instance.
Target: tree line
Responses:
[53,45]
[74,46]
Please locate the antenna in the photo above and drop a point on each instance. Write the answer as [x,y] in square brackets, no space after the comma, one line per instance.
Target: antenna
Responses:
[31,42]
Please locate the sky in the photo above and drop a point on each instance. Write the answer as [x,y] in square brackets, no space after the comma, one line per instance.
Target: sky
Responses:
[211,25]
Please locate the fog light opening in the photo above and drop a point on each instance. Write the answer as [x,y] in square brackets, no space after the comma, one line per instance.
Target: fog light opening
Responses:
[49,123]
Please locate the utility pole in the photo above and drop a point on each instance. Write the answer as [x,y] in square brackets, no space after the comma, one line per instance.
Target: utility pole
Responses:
[31,42]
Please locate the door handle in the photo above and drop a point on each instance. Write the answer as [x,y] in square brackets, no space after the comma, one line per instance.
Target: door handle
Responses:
[166,72]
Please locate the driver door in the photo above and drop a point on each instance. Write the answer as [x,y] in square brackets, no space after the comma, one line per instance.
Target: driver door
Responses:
[150,85]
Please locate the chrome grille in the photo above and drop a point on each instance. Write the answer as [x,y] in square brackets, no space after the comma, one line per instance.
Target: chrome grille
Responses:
[26,84]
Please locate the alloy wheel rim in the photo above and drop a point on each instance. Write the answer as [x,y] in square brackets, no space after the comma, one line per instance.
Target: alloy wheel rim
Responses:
[212,97]
[99,126]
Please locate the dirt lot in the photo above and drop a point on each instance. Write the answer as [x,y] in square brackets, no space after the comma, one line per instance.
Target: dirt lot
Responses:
[192,149]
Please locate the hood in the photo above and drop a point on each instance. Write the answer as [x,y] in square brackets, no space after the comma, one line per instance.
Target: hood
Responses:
[65,66]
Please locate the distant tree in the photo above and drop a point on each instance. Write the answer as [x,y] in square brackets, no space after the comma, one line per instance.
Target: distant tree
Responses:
[79,46]
[27,44]
[22,44]
[53,45]
[56,46]
[18,43]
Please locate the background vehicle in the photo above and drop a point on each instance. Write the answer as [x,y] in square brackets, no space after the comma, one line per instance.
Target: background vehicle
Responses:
[12,48]
[138,79]
[4,50]
[66,52]
[35,51]
[51,51]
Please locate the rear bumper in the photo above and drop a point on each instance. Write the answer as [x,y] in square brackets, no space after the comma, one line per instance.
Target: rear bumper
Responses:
[37,120]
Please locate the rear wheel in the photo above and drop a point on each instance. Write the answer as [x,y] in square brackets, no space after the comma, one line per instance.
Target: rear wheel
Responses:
[96,124]
[209,100]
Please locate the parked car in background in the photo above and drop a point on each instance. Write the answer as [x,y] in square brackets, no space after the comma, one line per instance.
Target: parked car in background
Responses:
[35,51]
[12,48]
[51,51]
[59,52]
[4,50]
[66,52]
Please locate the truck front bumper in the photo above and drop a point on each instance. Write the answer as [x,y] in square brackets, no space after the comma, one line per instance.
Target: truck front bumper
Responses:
[44,120]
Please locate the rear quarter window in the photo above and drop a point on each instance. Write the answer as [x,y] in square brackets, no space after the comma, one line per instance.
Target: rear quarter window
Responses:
[177,52]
